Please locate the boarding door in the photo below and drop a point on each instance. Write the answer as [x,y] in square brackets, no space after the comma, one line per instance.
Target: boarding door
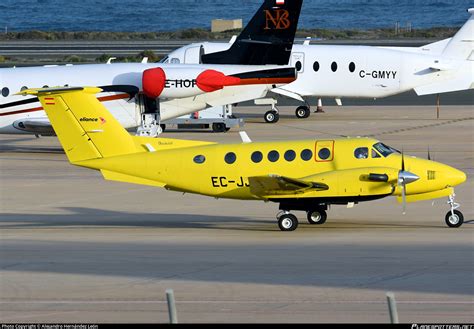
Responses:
[193,55]
[297,61]
[324,151]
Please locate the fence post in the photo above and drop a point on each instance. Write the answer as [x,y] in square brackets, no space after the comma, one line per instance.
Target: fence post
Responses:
[171,306]
[392,307]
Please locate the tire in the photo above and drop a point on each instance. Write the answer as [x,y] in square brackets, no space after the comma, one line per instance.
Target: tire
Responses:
[271,117]
[302,112]
[316,216]
[218,127]
[455,221]
[287,222]
[163,127]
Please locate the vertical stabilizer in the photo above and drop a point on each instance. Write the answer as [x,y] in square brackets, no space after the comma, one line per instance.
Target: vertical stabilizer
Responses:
[461,45]
[267,39]
[85,129]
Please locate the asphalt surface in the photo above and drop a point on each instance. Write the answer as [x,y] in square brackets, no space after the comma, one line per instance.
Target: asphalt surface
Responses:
[76,248]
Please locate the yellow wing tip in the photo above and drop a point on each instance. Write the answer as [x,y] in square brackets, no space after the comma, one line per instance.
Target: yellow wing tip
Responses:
[58,90]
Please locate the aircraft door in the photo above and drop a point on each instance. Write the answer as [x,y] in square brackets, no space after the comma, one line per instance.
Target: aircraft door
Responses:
[297,61]
[193,55]
[324,151]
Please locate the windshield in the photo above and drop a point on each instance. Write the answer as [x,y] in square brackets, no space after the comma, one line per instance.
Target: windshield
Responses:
[384,149]
[164,59]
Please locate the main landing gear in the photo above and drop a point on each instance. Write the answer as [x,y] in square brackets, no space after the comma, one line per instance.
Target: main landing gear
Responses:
[272,116]
[302,112]
[289,222]
[454,218]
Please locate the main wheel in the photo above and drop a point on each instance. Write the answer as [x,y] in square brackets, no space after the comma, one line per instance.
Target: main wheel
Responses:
[272,116]
[302,112]
[288,222]
[317,216]
[163,127]
[218,127]
[456,220]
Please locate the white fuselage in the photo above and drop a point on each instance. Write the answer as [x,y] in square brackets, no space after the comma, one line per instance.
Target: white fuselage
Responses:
[363,71]
[179,95]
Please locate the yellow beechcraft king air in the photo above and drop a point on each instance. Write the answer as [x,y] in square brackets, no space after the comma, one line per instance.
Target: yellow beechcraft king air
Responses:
[305,175]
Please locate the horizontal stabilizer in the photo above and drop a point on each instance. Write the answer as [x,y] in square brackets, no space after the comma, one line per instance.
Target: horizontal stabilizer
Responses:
[115,176]
[463,82]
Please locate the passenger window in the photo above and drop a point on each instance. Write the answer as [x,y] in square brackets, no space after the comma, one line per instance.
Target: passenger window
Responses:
[23,88]
[230,158]
[324,153]
[290,155]
[334,66]
[298,66]
[199,159]
[361,153]
[273,156]
[5,92]
[375,154]
[316,66]
[352,67]
[257,156]
[306,155]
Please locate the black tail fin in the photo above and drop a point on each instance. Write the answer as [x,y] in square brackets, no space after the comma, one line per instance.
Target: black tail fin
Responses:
[267,38]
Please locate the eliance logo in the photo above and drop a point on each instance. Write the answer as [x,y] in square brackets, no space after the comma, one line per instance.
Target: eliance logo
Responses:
[84,119]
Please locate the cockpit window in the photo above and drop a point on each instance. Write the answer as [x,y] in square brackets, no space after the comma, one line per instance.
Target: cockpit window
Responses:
[175,61]
[361,153]
[375,154]
[384,149]
[164,60]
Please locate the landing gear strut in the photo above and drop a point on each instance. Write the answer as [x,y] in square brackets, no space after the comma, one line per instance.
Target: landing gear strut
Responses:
[454,218]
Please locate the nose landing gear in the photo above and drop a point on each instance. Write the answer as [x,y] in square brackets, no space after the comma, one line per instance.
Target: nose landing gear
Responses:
[454,218]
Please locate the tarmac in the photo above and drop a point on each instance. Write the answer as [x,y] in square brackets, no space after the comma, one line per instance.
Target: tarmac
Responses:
[75,248]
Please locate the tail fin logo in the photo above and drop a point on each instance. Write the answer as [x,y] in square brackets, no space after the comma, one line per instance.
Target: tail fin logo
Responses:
[277,19]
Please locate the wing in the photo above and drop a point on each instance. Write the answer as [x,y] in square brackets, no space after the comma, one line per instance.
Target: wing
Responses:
[277,185]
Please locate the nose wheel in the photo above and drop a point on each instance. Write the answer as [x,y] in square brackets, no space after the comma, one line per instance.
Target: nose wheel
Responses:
[272,116]
[454,218]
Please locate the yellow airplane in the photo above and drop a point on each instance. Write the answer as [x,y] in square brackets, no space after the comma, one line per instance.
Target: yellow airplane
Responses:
[305,175]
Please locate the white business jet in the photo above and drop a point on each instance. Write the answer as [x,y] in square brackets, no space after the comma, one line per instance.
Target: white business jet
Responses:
[338,71]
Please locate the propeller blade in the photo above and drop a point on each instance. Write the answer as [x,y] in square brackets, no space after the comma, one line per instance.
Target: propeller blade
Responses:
[404,197]
[429,155]
[403,161]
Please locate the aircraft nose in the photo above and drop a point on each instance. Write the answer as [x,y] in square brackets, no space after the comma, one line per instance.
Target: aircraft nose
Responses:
[455,176]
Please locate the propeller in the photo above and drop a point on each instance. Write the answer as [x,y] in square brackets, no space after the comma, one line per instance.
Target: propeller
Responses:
[429,154]
[404,178]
